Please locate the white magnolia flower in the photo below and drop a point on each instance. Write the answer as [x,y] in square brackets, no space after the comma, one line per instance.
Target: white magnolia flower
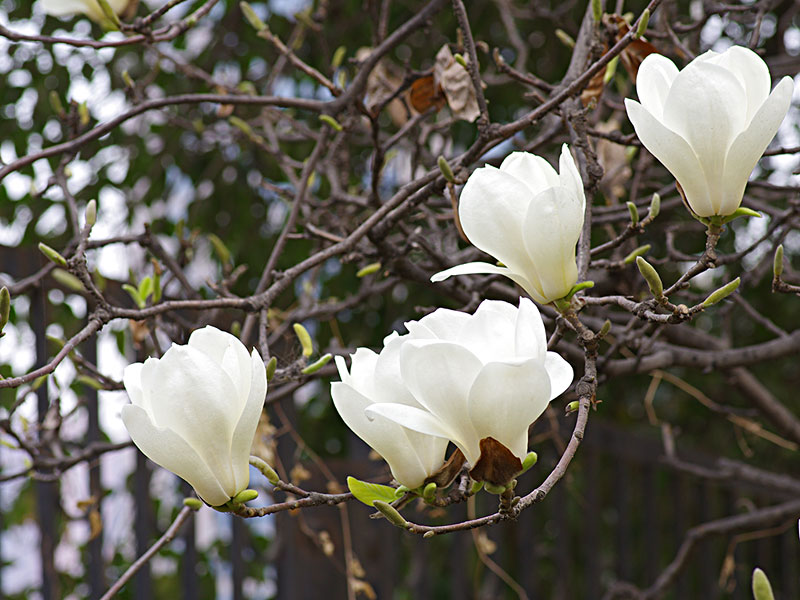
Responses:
[709,123]
[375,378]
[195,411]
[487,375]
[90,8]
[529,218]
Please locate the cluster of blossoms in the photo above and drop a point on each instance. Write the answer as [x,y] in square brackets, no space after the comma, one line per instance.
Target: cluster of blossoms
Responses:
[478,380]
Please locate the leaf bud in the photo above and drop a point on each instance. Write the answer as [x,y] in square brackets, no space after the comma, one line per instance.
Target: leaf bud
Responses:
[245,496]
[251,16]
[317,365]
[305,339]
[265,470]
[193,503]
[391,514]
[634,212]
[641,250]
[52,254]
[272,366]
[444,167]
[777,263]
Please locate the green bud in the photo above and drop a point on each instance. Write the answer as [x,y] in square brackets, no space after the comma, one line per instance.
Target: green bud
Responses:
[55,103]
[220,248]
[428,534]
[108,12]
[530,459]
[252,17]
[89,381]
[641,250]
[317,365]
[565,38]
[777,263]
[604,330]
[722,293]
[265,470]
[651,277]
[338,57]
[369,269]
[429,492]
[127,79]
[444,167]
[5,307]
[193,503]
[305,339]
[634,212]
[91,212]
[611,70]
[762,590]
[272,366]
[561,305]
[329,120]
[597,10]
[494,489]
[241,125]
[655,207]
[53,255]
[401,491]
[68,280]
[391,514]
[572,407]
[83,113]
[460,60]
[476,487]
[245,496]
[643,21]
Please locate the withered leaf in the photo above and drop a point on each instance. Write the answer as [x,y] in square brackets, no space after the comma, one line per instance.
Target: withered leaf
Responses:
[425,93]
[448,471]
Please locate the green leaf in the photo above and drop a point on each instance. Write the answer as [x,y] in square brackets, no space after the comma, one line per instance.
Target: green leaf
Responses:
[145,288]
[370,492]
[134,293]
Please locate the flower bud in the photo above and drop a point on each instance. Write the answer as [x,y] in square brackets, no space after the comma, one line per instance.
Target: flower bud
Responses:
[265,470]
[52,254]
[651,277]
[391,514]
[91,212]
[722,293]
[251,16]
[305,339]
[762,590]
[634,212]
[777,263]
[444,167]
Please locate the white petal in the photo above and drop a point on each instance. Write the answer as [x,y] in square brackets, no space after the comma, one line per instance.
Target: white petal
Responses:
[245,430]
[655,76]
[570,176]
[552,228]
[59,8]
[132,378]
[491,209]
[706,105]
[412,456]
[533,171]
[751,143]
[194,397]
[675,154]
[479,268]
[227,351]
[752,72]
[362,370]
[505,399]
[530,340]
[490,332]
[443,323]
[341,366]
[168,449]
[440,375]
[560,373]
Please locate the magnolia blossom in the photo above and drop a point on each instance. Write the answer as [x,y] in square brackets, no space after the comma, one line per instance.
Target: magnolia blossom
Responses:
[195,411]
[375,378]
[90,8]
[475,377]
[709,123]
[529,218]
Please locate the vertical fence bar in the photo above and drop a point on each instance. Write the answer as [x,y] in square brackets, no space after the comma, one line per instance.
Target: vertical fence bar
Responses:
[97,582]
[189,559]
[592,548]
[46,491]
[143,528]
[239,536]
[652,540]
[622,528]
